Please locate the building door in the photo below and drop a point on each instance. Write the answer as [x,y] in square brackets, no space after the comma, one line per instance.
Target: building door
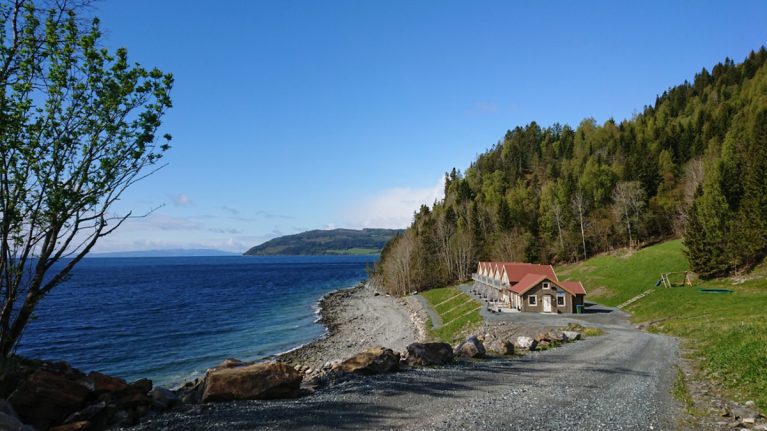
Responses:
[546,303]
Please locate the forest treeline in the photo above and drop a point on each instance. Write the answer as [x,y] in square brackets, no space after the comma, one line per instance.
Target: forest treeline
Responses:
[693,165]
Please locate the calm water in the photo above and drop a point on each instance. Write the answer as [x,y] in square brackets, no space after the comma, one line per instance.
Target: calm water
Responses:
[169,319]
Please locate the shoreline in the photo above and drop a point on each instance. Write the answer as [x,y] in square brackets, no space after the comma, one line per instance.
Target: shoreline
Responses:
[355,319]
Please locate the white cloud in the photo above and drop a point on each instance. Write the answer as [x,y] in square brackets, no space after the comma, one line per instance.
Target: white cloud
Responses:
[393,208]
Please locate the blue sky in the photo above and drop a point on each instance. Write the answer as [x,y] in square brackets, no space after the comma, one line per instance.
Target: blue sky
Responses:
[297,115]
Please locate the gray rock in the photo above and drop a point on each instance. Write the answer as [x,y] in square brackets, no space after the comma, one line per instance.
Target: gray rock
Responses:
[572,335]
[504,347]
[526,343]
[7,408]
[471,348]
[9,422]
[87,413]
[163,399]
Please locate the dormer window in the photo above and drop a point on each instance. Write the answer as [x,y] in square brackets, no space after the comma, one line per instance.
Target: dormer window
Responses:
[546,285]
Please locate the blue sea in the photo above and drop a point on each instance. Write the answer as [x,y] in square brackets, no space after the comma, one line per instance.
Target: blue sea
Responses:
[170,318]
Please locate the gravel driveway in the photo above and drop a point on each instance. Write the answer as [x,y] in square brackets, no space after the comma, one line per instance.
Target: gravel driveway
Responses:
[619,381]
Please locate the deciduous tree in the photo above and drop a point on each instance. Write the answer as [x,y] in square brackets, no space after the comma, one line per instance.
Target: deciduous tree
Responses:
[78,128]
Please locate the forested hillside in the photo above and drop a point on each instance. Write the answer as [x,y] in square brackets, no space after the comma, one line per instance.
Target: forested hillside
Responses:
[692,165]
[322,242]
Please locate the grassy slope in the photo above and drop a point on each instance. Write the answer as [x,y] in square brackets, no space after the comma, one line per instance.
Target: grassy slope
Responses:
[726,333]
[457,310]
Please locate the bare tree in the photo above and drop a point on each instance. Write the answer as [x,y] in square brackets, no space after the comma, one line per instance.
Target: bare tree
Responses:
[445,231]
[78,129]
[579,205]
[628,197]
[556,211]
[463,249]
[398,265]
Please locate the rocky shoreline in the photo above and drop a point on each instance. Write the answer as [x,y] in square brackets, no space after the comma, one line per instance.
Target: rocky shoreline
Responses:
[356,319]
[45,395]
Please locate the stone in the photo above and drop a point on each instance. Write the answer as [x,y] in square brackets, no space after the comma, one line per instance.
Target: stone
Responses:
[471,348]
[526,343]
[557,336]
[74,426]
[132,400]
[87,413]
[44,398]
[163,399]
[572,335]
[424,354]
[191,392]
[543,336]
[100,383]
[9,422]
[750,404]
[142,385]
[258,381]
[744,413]
[375,360]
[504,347]
[7,408]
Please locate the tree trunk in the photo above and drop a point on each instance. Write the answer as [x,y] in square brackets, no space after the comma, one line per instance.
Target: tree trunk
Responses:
[583,237]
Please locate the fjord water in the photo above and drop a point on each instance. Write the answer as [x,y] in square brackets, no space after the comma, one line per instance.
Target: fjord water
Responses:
[168,319]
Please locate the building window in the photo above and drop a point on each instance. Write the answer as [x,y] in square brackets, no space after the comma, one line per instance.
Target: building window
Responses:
[560,301]
[532,300]
[546,285]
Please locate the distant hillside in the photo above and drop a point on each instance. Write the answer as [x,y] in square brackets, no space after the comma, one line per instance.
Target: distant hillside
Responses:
[324,242]
[165,253]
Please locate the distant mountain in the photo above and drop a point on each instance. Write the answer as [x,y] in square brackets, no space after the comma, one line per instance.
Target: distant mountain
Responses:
[325,242]
[165,253]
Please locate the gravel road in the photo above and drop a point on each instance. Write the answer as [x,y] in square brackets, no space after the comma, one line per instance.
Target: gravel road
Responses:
[619,381]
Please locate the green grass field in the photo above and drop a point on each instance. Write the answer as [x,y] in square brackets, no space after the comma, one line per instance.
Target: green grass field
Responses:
[727,333]
[457,310]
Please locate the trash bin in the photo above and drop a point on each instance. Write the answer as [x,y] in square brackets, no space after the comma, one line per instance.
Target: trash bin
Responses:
[578,309]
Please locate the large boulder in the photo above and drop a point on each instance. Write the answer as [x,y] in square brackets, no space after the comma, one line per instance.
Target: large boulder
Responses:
[503,347]
[46,399]
[471,348]
[420,354]
[526,343]
[163,399]
[375,360]
[252,382]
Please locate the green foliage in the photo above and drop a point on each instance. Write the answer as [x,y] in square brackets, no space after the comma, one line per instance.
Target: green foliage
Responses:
[637,179]
[78,126]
